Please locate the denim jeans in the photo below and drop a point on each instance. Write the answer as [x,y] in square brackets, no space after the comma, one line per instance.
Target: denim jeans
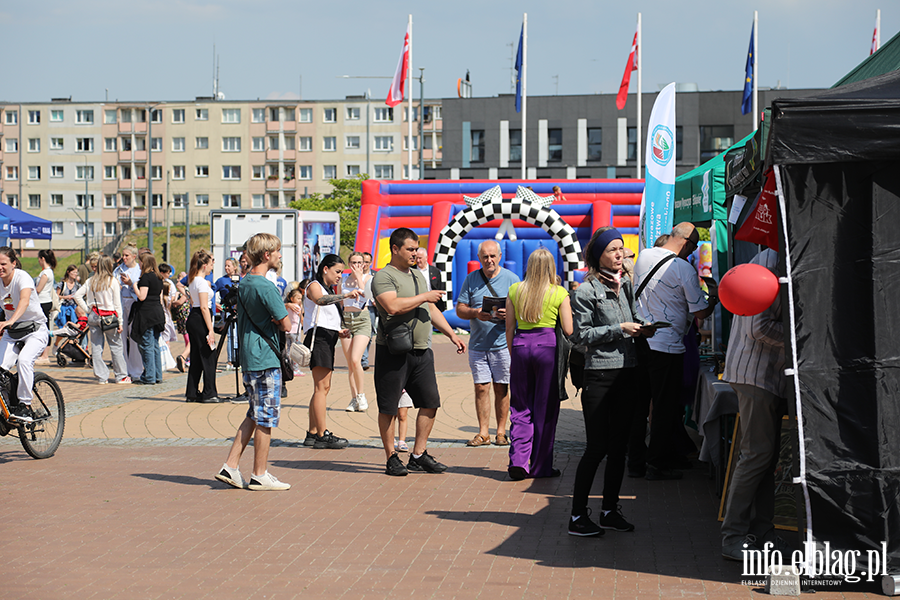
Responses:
[151,357]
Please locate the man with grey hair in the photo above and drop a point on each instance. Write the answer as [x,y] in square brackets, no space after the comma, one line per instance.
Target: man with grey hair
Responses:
[131,267]
[488,354]
[667,290]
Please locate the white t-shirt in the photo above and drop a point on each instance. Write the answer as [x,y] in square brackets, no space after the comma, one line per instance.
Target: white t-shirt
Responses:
[424,273]
[346,286]
[46,294]
[671,296]
[199,284]
[326,317]
[10,297]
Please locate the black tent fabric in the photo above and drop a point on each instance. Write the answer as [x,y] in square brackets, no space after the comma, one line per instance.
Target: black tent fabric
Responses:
[840,176]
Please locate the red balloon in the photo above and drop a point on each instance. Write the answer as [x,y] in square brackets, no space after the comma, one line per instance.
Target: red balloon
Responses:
[748,289]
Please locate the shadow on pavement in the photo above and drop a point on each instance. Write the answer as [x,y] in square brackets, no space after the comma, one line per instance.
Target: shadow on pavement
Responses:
[182,480]
[328,465]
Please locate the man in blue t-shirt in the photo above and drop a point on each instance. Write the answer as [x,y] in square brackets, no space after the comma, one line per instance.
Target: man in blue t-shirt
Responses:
[488,355]
[261,313]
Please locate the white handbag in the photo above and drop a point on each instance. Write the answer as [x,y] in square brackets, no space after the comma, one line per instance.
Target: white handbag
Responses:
[298,352]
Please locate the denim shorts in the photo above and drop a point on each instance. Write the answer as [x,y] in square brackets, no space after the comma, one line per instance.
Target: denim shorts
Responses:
[489,366]
[264,389]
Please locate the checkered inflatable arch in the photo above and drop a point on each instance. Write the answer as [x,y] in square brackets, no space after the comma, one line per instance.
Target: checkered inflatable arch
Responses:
[497,207]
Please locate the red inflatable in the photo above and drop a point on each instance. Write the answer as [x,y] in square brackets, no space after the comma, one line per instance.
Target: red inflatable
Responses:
[748,289]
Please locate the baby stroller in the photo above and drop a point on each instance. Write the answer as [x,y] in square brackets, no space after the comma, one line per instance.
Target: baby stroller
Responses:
[71,349]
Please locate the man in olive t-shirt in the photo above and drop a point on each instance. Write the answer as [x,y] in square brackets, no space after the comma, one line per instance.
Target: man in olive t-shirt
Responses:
[403,299]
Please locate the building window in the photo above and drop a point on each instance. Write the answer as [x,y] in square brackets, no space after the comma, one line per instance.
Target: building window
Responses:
[56,116]
[632,143]
[109,116]
[257,172]
[84,117]
[231,115]
[258,201]
[140,143]
[178,144]
[352,170]
[140,200]
[56,143]
[259,144]
[679,142]
[306,115]
[79,200]
[289,143]
[126,200]
[231,200]
[155,172]
[178,172]
[415,142]
[156,200]
[155,116]
[201,114]
[477,153]
[126,144]
[305,144]
[125,172]
[259,115]
[273,201]
[84,172]
[201,143]
[57,171]
[304,172]
[84,144]
[34,117]
[12,174]
[231,172]
[201,199]
[273,142]
[140,171]
[329,172]
[34,200]
[201,171]
[109,201]
[57,227]
[352,113]
[109,172]
[156,144]
[12,117]
[178,200]
[330,115]
[56,199]
[273,115]
[12,200]
[34,144]
[714,140]
[109,228]
[34,173]
[554,145]
[231,144]
[12,145]
[79,229]
[125,115]
[436,113]
[384,114]
[352,142]
[329,144]
[384,171]
[384,143]
[273,171]
[515,145]
[178,115]
[109,144]
[595,143]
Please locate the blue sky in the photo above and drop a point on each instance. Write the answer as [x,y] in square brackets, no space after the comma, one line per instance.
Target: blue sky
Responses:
[58,48]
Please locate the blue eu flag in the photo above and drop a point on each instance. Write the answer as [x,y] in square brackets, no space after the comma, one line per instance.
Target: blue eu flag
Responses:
[519,71]
[747,101]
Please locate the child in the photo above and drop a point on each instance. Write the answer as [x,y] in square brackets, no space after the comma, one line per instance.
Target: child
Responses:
[294,303]
[405,404]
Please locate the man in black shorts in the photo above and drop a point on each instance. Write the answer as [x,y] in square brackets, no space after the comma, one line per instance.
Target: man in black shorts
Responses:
[406,310]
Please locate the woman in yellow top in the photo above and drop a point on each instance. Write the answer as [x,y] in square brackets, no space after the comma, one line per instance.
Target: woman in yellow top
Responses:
[532,309]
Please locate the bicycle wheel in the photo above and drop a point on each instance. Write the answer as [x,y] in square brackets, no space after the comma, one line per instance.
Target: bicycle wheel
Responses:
[42,437]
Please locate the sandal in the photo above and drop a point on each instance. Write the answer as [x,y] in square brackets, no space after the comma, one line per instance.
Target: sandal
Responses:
[501,440]
[478,440]
[401,446]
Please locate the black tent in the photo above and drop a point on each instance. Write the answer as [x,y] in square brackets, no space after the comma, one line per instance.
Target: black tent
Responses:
[837,160]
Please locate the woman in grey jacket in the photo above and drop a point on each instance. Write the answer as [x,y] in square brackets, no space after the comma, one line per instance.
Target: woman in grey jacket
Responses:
[606,323]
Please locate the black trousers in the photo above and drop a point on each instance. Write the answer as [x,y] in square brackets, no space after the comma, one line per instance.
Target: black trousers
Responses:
[203,359]
[637,447]
[666,374]
[607,403]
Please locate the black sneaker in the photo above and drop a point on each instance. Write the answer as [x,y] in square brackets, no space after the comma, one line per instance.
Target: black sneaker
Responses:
[21,413]
[655,474]
[425,463]
[395,466]
[615,521]
[310,440]
[329,441]
[582,526]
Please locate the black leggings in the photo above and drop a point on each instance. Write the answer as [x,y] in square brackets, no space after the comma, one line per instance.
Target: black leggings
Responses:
[203,359]
[607,404]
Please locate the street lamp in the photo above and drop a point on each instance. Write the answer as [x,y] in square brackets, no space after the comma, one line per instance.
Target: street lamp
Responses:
[87,204]
[150,176]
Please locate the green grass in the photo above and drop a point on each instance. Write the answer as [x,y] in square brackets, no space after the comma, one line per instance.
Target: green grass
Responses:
[199,239]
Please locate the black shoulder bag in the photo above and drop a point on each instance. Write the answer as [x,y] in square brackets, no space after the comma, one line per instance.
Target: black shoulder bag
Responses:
[399,338]
[287,369]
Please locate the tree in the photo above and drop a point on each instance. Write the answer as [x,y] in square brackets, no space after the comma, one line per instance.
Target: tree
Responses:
[345,200]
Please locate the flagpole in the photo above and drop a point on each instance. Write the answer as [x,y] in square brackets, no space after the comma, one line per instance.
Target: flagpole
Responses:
[755,67]
[409,110]
[877,29]
[524,94]
[637,58]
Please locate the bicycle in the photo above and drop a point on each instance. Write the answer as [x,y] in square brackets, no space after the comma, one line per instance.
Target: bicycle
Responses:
[42,436]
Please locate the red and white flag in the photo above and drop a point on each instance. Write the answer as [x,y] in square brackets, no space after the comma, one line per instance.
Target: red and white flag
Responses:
[874,48]
[630,66]
[395,95]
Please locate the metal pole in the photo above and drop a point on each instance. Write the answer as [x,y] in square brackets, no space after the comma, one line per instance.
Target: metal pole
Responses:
[421,122]
[640,118]
[150,180]
[168,216]
[87,204]
[187,232]
[368,111]
[524,76]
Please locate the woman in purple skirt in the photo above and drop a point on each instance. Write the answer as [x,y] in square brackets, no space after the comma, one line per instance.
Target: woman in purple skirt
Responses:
[532,309]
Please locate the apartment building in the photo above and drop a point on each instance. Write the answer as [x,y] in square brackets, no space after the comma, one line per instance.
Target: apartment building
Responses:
[106,166]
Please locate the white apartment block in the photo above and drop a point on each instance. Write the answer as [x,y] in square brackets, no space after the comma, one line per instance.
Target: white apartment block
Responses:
[190,157]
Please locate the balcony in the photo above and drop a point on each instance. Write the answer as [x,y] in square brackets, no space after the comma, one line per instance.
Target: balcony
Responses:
[140,155]
[276,184]
[125,184]
[125,155]
[276,126]
[140,183]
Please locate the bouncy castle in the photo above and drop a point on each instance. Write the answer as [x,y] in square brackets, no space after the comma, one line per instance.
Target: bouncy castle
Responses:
[452,217]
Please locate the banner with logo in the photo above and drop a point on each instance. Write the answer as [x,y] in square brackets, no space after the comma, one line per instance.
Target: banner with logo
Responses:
[657,205]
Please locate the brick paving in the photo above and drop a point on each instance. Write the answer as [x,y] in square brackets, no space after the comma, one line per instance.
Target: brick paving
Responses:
[128,508]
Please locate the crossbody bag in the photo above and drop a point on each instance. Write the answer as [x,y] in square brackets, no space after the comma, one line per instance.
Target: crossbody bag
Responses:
[287,369]
[399,338]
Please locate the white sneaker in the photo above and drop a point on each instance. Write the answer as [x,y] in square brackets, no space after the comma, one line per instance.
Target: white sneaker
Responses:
[267,483]
[353,406]
[231,477]
[361,404]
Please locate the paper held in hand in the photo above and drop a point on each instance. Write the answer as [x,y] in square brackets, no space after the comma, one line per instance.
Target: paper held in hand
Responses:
[491,304]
